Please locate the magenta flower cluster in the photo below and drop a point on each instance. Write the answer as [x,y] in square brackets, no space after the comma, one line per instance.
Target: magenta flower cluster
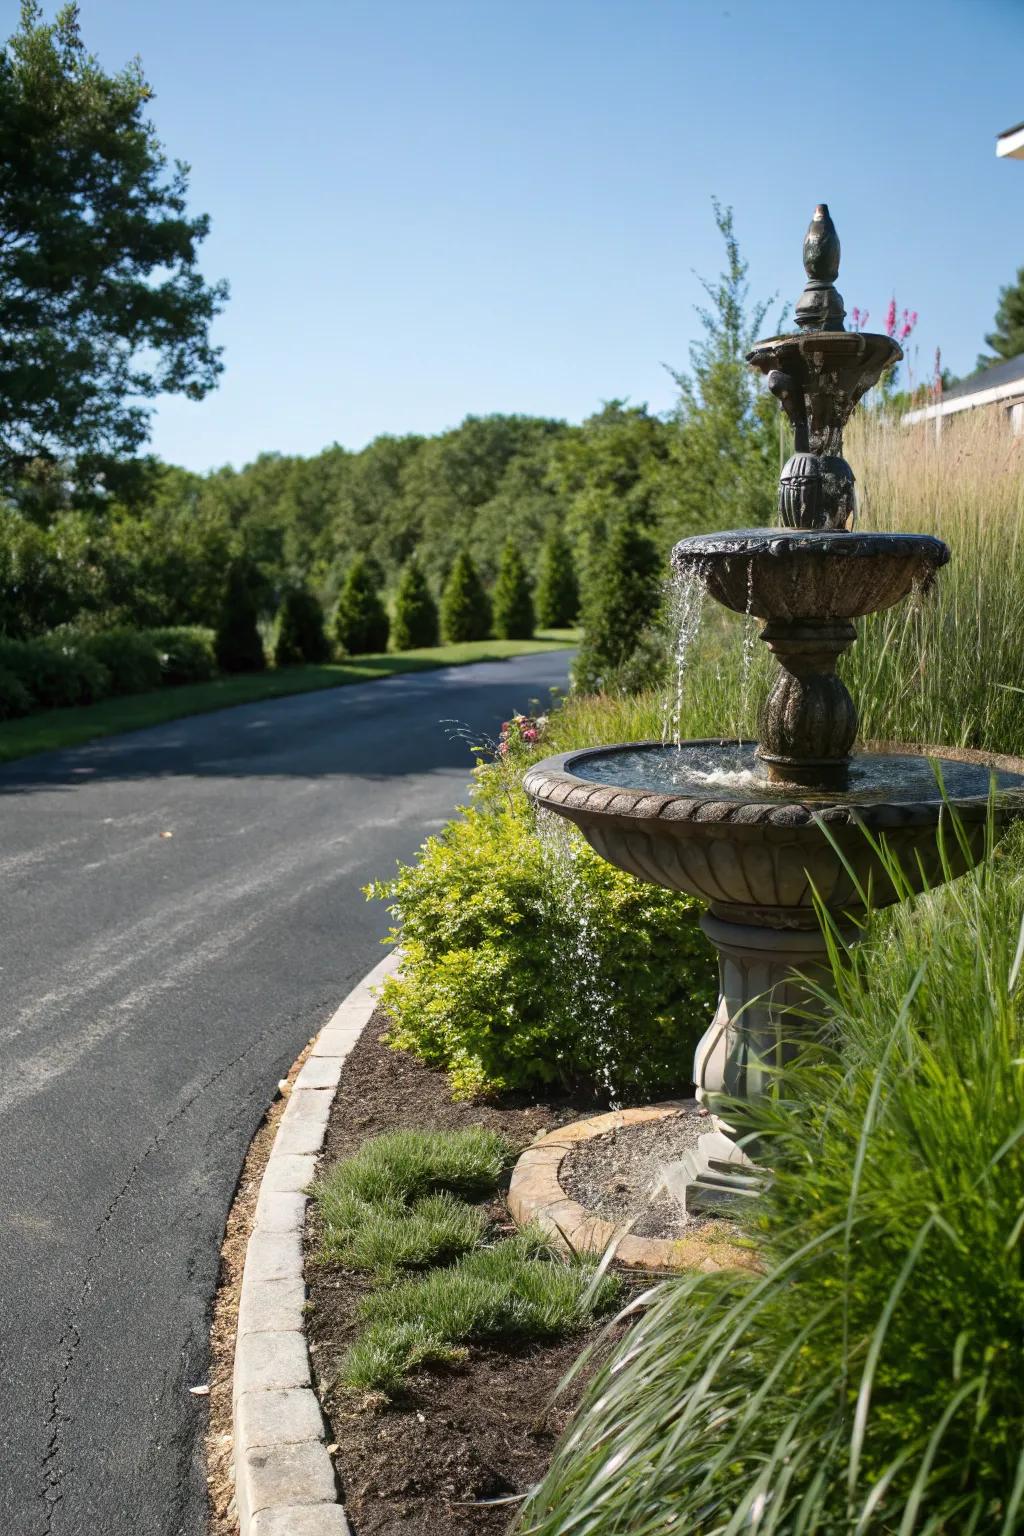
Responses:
[900,329]
[521,730]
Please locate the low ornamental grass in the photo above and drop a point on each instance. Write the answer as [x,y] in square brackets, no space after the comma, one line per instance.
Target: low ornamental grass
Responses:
[520,1290]
[869,1381]
[394,1204]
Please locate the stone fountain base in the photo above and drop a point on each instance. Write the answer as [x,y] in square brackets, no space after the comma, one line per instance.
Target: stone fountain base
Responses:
[537,1194]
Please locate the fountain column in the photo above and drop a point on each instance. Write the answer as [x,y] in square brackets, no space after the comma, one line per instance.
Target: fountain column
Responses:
[763,993]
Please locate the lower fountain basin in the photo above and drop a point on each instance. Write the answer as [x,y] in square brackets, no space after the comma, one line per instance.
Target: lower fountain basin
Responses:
[787,574]
[700,818]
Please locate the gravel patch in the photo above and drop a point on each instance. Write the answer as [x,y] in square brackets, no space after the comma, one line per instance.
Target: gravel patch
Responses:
[616,1175]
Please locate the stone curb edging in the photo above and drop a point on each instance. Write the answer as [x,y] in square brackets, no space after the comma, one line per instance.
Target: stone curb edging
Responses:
[535,1194]
[284,1476]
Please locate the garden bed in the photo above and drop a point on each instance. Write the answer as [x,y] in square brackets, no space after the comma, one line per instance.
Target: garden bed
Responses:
[482,1430]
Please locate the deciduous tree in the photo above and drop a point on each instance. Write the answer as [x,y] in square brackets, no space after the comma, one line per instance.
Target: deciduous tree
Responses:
[102,301]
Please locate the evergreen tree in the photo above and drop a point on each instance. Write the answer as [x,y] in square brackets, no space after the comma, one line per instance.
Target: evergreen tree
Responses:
[465,610]
[415,621]
[558,598]
[620,602]
[513,602]
[238,645]
[1007,340]
[299,631]
[724,463]
[360,622]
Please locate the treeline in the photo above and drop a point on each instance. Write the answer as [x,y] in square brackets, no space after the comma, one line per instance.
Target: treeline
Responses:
[139,544]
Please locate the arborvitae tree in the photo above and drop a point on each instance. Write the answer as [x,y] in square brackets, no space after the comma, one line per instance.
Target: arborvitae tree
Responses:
[513,600]
[1007,340]
[557,598]
[415,621]
[238,645]
[360,622]
[620,602]
[465,609]
[299,631]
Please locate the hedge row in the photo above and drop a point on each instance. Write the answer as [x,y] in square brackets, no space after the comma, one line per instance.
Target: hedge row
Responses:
[67,667]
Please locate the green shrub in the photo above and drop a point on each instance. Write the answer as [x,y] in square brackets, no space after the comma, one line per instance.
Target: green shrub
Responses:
[869,1380]
[465,609]
[238,645]
[513,603]
[520,1290]
[56,671]
[415,622]
[130,657]
[299,636]
[557,597]
[528,963]
[360,621]
[15,699]
[187,653]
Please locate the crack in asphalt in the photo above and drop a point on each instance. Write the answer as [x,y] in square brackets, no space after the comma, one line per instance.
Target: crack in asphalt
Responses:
[51,1474]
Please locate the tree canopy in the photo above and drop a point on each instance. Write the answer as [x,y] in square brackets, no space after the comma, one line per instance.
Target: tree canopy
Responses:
[1007,340]
[103,304]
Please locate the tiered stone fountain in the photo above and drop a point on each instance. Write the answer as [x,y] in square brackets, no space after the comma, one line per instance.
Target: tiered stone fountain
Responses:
[757,829]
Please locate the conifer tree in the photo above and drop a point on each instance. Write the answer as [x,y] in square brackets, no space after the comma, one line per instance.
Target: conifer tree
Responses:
[513,601]
[299,632]
[557,597]
[465,609]
[238,645]
[1007,340]
[360,622]
[620,602]
[415,621]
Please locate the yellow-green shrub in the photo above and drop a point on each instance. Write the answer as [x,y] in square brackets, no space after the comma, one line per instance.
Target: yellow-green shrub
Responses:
[526,970]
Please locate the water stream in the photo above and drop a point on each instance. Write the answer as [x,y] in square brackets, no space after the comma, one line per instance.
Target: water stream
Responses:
[570,912]
[687,590]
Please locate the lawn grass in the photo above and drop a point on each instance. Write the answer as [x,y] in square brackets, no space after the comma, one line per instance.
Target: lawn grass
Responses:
[55,728]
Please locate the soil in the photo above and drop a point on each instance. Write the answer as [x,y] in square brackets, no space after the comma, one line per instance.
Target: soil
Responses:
[482,1431]
[619,1175]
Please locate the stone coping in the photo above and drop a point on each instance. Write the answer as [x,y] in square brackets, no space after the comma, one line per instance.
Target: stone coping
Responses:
[284,1476]
[535,1194]
[553,783]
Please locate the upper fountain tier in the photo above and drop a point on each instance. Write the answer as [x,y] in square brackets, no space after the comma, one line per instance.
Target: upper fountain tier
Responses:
[808,581]
[818,374]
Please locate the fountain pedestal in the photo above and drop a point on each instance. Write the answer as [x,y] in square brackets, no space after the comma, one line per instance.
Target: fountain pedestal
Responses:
[763,975]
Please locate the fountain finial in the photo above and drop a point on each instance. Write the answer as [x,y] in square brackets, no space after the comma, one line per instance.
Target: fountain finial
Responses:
[820,307]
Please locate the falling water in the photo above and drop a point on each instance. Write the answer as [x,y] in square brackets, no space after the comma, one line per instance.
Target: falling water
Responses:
[686,592]
[750,632]
[569,910]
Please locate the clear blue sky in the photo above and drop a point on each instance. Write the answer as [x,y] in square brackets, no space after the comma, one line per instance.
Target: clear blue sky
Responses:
[428,208]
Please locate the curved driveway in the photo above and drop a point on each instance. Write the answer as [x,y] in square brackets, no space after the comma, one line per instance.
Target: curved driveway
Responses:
[153,988]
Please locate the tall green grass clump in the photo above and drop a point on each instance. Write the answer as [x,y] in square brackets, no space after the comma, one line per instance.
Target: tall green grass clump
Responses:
[868,1382]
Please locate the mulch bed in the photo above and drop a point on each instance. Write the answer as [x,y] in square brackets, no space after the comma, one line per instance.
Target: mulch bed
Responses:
[483,1430]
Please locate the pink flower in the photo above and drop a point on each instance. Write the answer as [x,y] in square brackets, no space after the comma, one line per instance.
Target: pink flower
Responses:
[531,735]
[890,318]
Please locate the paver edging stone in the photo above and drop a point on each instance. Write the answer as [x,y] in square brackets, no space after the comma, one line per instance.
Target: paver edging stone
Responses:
[284,1476]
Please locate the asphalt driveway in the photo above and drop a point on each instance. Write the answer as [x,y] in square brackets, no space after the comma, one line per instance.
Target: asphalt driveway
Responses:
[180,909]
